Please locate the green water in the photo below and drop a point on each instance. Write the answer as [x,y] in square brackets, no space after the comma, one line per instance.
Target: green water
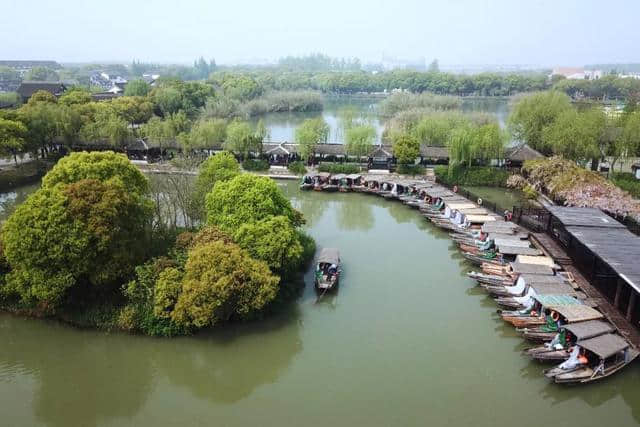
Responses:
[407,340]
[505,198]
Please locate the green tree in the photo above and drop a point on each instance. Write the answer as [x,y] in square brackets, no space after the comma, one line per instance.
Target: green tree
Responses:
[241,139]
[575,135]
[406,148]
[75,96]
[273,240]
[627,143]
[359,140]
[461,147]
[220,167]
[101,166]
[84,235]
[41,120]
[41,96]
[533,113]
[222,282]
[12,138]
[245,199]
[489,141]
[137,87]
[209,133]
[310,133]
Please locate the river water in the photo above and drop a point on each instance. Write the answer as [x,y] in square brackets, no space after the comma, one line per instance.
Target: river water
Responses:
[282,126]
[406,340]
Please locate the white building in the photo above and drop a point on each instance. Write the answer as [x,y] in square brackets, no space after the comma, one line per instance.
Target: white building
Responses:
[575,73]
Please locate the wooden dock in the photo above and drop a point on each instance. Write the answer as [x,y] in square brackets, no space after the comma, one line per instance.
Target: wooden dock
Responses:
[551,248]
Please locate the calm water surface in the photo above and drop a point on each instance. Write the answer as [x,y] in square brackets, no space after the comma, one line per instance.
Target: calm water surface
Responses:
[407,340]
[282,126]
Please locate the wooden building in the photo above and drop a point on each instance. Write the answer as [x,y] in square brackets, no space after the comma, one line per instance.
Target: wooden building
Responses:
[28,88]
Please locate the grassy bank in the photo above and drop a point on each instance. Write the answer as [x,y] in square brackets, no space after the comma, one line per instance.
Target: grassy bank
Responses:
[475,176]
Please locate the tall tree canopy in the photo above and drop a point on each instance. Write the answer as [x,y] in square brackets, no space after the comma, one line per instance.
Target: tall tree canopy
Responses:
[532,113]
[310,133]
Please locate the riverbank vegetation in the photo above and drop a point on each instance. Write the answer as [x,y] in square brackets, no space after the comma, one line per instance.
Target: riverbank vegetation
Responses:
[89,247]
[551,124]
[472,176]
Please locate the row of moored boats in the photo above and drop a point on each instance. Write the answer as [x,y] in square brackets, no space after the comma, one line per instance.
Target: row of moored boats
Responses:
[540,300]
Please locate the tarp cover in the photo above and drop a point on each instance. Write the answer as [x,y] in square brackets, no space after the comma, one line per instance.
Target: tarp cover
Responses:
[538,260]
[531,268]
[589,329]
[517,250]
[605,345]
[329,256]
[554,289]
[549,301]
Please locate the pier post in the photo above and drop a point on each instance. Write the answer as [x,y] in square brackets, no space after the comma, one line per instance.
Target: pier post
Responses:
[616,301]
[631,306]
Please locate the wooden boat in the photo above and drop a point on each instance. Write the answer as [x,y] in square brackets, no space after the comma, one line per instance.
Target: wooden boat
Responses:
[328,269]
[333,183]
[353,182]
[306,183]
[593,359]
[320,180]
[569,335]
[552,309]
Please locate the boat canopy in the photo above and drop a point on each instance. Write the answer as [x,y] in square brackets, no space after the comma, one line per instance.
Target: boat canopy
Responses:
[517,250]
[555,301]
[500,227]
[537,260]
[588,329]
[577,313]
[353,176]
[323,174]
[554,289]
[541,278]
[517,267]
[329,256]
[339,176]
[511,241]
[480,219]
[460,205]
[605,345]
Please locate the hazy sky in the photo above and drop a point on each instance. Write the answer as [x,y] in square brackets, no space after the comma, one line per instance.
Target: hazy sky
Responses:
[540,32]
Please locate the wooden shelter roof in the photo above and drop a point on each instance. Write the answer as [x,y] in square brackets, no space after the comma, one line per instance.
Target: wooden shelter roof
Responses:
[518,250]
[577,313]
[584,217]
[589,329]
[559,288]
[531,268]
[605,345]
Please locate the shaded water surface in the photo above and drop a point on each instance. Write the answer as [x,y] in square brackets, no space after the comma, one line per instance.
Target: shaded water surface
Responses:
[407,340]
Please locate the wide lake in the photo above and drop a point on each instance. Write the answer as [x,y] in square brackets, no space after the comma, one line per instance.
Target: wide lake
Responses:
[407,340]
[282,126]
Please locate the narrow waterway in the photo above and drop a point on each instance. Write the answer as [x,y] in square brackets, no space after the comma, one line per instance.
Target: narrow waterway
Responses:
[407,340]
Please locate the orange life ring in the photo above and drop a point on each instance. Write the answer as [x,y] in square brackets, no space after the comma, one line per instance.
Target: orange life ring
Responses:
[555,316]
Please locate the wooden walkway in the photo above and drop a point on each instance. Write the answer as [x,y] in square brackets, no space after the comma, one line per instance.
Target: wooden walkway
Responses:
[551,248]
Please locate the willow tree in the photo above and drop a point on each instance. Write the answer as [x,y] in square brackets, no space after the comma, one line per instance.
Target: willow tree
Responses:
[359,140]
[310,133]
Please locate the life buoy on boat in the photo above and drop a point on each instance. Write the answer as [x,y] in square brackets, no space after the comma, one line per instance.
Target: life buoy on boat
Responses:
[555,316]
[479,201]
[455,188]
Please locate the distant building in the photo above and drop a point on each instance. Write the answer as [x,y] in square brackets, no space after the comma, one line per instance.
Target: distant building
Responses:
[573,73]
[107,81]
[28,88]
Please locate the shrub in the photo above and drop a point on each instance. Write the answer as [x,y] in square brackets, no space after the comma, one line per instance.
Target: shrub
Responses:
[297,167]
[410,169]
[530,192]
[627,182]
[339,168]
[255,165]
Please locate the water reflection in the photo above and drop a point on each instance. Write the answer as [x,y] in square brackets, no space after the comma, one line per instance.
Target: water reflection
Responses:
[227,365]
[11,199]
[82,378]
[355,214]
